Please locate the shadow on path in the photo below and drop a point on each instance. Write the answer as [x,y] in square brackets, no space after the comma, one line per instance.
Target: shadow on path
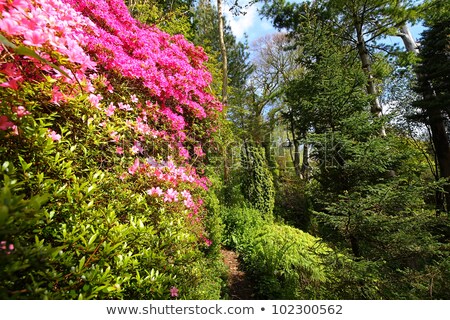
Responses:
[240,288]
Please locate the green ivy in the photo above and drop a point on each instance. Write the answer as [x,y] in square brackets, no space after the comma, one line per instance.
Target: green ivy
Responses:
[257,183]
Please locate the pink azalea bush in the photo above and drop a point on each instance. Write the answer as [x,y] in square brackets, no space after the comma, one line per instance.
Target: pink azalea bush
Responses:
[102,125]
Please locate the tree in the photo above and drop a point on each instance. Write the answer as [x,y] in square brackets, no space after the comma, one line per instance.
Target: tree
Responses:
[174,17]
[359,23]
[274,65]
[223,51]
[257,184]
[206,24]
[434,86]
[326,87]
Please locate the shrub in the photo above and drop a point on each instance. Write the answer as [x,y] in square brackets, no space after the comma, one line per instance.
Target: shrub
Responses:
[285,263]
[241,223]
[257,183]
[100,198]
[292,203]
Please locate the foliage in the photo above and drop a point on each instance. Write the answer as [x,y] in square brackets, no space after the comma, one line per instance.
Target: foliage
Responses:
[285,262]
[375,204]
[174,17]
[434,67]
[101,197]
[433,86]
[292,203]
[241,223]
[109,128]
[257,184]
[351,279]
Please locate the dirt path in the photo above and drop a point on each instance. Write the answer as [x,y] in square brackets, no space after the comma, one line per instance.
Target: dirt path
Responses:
[239,286]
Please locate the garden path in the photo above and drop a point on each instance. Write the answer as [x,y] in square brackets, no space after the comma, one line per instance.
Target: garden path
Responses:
[240,288]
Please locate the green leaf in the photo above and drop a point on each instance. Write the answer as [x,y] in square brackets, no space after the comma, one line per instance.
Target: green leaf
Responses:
[92,239]
[24,51]
[6,42]
[81,263]
[4,213]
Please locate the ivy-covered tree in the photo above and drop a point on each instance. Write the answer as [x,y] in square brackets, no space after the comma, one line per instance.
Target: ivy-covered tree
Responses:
[257,184]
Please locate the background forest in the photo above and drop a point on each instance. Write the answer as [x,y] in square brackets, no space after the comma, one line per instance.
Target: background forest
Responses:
[140,138]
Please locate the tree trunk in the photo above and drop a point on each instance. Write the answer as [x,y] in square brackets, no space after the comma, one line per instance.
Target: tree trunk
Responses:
[223,51]
[297,158]
[408,40]
[436,121]
[442,147]
[366,63]
[355,246]
[305,163]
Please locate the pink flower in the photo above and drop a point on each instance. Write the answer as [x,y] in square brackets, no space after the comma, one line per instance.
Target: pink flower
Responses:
[10,69]
[186,194]
[9,26]
[155,191]
[115,136]
[123,176]
[11,83]
[208,242]
[34,38]
[53,135]
[134,99]
[110,110]
[183,152]
[173,292]
[189,203]
[132,170]
[171,195]
[15,130]
[57,96]
[5,124]
[21,111]
[137,148]
[94,99]
[198,151]
[119,150]
[20,4]
[6,248]
[125,107]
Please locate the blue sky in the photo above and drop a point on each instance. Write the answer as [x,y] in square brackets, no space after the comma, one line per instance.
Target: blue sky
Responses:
[251,24]
[255,26]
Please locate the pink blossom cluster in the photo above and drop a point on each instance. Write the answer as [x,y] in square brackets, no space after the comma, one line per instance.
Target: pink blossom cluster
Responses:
[152,125]
[169,66]
[171,195]
[91,40]
[49,27]
[169,179]
[5,123]
[7,248]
